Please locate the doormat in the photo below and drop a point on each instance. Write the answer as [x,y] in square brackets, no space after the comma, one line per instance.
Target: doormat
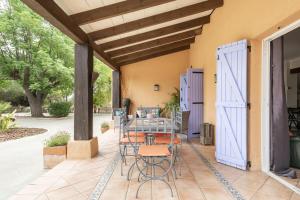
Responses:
[105,178]
[234,192]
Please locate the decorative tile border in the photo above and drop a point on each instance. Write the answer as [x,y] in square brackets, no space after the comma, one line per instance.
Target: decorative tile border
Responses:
[105,178]
[234,192]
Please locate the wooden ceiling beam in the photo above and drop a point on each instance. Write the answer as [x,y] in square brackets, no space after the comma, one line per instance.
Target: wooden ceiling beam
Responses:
[154,50]
[152,43]
[58,18]
[156,19]
[114,10]
[156,33]
[154,55]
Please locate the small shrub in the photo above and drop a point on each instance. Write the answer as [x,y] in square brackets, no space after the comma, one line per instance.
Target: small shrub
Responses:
[59,109]
[104,125]
[59,139]
[4,106]
[7,121]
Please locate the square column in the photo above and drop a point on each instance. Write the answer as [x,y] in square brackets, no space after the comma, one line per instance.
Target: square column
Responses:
[116,89]
[84,145]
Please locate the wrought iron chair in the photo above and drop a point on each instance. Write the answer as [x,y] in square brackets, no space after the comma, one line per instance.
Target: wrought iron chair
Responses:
[125,141]
[154,155]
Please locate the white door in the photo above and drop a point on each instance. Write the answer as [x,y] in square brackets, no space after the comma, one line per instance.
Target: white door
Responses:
[231,105]
[183,92]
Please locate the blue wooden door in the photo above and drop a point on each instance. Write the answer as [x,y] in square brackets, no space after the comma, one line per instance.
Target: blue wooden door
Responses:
[195,101]
[183,93]
[231,105]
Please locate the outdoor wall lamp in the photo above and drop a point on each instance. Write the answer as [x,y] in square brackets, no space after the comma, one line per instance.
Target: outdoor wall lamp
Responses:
[156,87]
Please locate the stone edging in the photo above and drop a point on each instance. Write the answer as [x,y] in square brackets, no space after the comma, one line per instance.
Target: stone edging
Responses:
[229,187]
[105,178]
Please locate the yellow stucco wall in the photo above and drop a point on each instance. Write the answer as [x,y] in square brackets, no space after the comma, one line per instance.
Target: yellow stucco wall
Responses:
[139,78]
[236,20]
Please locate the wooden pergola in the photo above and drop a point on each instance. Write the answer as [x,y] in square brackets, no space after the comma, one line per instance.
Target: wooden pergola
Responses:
[121,32]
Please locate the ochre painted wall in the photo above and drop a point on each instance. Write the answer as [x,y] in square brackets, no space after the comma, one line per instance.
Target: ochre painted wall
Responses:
[236,20]
[139,78]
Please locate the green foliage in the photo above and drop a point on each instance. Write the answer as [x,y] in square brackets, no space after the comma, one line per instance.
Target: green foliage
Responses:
[173,103]
[59,109]
[4,106]
[102,86]
[105,125]
[30,44]
[7,121]
[12,92]
[59,139]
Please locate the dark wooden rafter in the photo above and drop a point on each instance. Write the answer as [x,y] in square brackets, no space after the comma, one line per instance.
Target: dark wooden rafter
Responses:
[152,43]
[114,10]
[156,19]
[154,55]
[56,16]
[156,33]
[154,50]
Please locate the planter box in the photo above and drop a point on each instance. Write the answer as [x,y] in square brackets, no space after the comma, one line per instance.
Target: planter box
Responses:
[54,155]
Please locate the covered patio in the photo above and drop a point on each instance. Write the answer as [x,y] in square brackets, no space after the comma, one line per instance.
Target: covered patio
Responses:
[202,179]
[149,39]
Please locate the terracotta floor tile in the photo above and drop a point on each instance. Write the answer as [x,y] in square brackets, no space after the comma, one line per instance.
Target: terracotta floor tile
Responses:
[62,193]
[188,189]
[295,196]
[214,194]
[276,189]
[86,185]
[60,183]
[23,197]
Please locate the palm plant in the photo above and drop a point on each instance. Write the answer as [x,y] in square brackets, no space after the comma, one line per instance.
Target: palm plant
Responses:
[173,103]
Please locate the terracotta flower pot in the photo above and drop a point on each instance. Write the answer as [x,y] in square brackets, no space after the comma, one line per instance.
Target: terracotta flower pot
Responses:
[54,155]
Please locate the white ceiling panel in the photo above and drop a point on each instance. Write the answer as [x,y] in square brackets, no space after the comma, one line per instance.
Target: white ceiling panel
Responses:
[155,10]
[120,47]
[150,28]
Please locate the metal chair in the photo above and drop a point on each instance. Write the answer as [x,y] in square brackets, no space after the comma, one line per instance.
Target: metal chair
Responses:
[125,141]
[155,155]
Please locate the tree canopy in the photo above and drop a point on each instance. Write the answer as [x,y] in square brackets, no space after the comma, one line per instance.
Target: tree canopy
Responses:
[40,58]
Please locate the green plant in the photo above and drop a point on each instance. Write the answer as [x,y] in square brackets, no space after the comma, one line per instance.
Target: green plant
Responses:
[104,125]
[59,109]
[4,106]
[59,139]
[173,103]
[7,121]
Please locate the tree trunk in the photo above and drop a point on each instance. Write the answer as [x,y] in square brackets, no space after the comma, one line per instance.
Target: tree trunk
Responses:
[35,104]
[35,100]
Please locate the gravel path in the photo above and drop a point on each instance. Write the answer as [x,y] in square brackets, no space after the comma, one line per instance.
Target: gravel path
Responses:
[21,160]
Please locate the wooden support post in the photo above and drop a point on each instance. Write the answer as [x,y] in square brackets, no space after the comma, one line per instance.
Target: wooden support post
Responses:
[83,114]
[116,89]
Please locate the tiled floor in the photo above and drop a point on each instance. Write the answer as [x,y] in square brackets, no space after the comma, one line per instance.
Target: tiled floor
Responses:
[77,180]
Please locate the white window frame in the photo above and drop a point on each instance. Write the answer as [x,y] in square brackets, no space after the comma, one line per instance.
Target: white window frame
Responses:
[265,103]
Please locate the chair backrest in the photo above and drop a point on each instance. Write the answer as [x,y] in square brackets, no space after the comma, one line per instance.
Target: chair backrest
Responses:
[143,111]
[182,120]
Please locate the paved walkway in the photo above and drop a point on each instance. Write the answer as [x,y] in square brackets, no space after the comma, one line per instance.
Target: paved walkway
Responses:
[21,160]
[202,179]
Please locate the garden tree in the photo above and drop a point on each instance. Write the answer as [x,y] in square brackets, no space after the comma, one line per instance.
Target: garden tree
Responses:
[102,86]
[34,53]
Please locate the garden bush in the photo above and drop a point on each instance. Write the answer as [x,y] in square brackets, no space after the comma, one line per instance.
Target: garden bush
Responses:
[59,139]
[4,106]
[59,109]
[7,121]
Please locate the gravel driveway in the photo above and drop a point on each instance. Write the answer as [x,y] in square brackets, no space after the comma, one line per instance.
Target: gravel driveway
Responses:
[21,160]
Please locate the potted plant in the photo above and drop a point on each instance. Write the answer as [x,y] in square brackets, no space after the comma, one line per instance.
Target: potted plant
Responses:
[55,149]
[104,127]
